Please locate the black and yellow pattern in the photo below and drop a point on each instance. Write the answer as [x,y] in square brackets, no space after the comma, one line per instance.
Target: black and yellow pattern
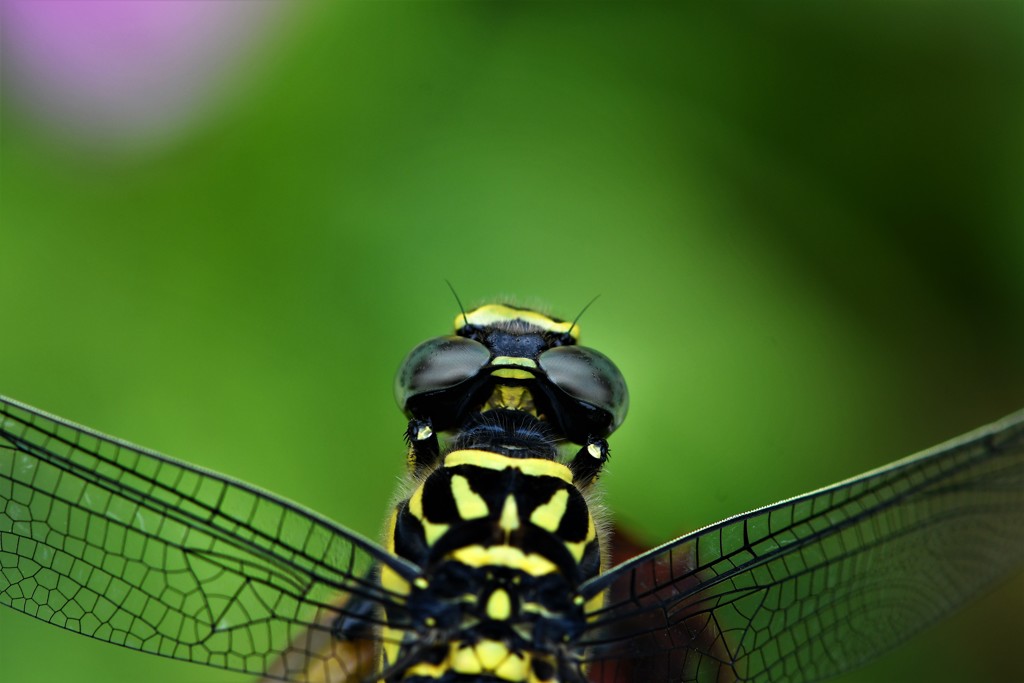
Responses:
[501,527]
[492,568]
[504,541]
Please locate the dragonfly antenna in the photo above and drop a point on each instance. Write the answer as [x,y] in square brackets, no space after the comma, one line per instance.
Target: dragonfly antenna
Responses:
[580,314]
[459,302]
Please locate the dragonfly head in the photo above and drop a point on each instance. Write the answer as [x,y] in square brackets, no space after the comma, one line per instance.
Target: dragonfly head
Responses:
[503,357]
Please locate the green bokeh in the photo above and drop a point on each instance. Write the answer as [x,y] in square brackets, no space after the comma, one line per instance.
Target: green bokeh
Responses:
[805,223]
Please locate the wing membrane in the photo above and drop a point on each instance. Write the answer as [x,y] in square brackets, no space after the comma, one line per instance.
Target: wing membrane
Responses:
[810,587]
[129,546]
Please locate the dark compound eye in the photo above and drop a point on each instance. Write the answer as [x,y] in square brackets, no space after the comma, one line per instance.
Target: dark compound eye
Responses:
[439,363]
[589,376]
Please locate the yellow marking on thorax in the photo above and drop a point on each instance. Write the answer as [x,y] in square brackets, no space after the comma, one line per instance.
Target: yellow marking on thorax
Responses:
[576,549]
[534,467]
[431,530]
[426,670]
[509,520]
[499,313]
[389,578]
[504,556]
[391,582]
[492,657]
[491,653]
[389,533]
[535,608]
[549,515]
[499,605]
[594,604]
[464,660]
[469,503]
[514,668]
[391,639]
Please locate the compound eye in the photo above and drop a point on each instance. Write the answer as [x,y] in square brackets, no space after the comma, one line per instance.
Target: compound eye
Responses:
[439,363]
[589,376]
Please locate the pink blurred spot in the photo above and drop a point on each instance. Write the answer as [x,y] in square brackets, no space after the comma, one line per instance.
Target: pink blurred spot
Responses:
[126,70]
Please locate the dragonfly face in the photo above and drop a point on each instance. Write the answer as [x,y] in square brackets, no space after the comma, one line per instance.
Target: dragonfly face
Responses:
[516,359]
[493,566]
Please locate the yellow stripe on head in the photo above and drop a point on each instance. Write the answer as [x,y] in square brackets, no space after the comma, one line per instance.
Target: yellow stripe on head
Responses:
[515,360]
[513,373]
[491,314]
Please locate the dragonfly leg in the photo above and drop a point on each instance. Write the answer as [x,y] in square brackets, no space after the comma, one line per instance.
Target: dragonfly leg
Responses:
[424,450]
[586,466]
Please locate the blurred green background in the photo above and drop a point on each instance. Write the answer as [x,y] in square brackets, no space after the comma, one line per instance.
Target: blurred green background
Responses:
[805,223]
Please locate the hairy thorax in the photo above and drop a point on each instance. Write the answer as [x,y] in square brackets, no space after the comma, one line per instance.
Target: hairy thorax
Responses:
[504,541]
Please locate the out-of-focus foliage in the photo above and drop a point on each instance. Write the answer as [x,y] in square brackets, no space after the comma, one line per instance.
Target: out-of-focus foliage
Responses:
[805,221]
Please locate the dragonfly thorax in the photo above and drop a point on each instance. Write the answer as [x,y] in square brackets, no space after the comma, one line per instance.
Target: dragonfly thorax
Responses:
[490,622]
[504,539]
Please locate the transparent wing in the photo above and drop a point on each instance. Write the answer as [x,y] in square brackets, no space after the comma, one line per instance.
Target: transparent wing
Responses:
[129,546]
[813,586]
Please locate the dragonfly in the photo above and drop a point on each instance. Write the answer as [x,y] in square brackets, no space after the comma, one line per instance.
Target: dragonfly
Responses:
[495,565]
